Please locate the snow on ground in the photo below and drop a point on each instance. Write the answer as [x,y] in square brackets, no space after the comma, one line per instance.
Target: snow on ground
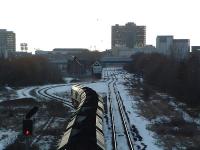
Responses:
[7,137]
[8,88]
[38,122]
[25,92]
[161,119]
[130,104]
[57,122]
[56,88]
[60,89]
[45,143]
[184,114]
[68,79]
[139,122]
[177,106]
[100,86]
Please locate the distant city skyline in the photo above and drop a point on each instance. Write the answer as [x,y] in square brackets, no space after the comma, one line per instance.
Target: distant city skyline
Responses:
[50,24]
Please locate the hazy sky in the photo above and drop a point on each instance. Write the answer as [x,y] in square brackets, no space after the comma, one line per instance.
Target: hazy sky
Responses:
[48,24]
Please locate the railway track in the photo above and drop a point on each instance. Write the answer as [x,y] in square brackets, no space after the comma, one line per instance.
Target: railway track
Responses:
[114,140]
[117,110]
[138,140]
[44,94]
[124,124]
[45,126]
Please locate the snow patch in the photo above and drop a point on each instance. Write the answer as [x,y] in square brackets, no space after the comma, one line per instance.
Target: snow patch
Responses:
[68,79]
[25,92]
[161,119]
[46,142]
[7,137]
[135,119]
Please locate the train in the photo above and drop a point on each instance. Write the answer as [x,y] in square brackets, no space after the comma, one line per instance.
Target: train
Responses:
[85,127]
[78,94]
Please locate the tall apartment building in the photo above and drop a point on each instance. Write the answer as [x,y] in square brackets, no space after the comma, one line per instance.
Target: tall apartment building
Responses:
[129,36]
[7,42]
[178,48]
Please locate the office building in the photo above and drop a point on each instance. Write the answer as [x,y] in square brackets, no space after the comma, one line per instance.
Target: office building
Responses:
[176,48]
[181,48]
[164,44]
[129,36]
[7,43]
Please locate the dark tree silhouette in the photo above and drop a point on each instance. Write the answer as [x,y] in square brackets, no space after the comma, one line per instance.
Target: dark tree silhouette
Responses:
[28,71]
[180,78]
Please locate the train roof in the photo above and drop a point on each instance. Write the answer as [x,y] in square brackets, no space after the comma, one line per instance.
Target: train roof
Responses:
[74,133]
[77,86]
[85,128]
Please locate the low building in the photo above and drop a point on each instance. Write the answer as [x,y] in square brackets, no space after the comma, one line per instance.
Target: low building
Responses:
[115,61]
[196,52]
[69,51]
[146,49]
[195,48]
[122,52]
[127,52]
[75,67]
[20,54]
[42,52]
[57,60]
[61,64]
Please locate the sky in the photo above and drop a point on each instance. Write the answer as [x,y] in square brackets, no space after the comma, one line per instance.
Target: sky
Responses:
[49,24]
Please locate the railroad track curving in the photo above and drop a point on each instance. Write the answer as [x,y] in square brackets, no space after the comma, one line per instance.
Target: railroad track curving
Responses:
[43,92]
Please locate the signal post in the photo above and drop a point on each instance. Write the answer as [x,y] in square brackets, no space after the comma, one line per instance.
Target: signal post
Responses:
[28,126]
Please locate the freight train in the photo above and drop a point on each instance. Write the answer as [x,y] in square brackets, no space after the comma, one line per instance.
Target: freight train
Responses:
[85,128]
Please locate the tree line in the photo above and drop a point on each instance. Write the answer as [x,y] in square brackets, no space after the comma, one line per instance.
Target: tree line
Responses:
[179,78]
[26,71]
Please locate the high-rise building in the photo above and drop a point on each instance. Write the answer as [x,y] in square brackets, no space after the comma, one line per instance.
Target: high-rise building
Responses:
[164,44]
[129,36]
[181,48]
[140,36]
[178,48]
[7,42]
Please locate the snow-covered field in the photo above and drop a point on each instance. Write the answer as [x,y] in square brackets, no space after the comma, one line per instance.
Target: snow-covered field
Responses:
[131,108]
[137,120]
[101,86]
